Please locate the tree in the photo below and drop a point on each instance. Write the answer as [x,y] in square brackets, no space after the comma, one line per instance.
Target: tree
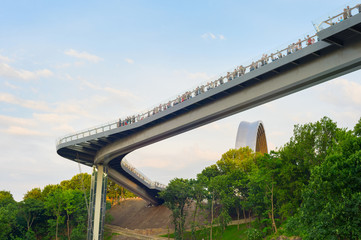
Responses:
[5,198]
[8,212]
[221,193]
[48,189]
[242,158]
[79,217]
[115,192]
[238,164]
[198,194]
[54,205]
[240,192]
[268,170]
[357,128]
[332,199]
[306,149]
[34,193]
[81,181]
[31,209]
[176,196]
[69,206]
[208,173]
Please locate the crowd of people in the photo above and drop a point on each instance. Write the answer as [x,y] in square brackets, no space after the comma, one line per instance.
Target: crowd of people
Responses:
[239,71]
[347,13]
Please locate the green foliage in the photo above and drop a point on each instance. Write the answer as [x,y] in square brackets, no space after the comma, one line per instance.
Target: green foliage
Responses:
[254,234]
[56,211]
[306,149]
[332,200]
[243,159]
[30,210]
[318,172]
[8,212]
[208,173]
[6,198]
[30,235]
[81,181]
[357,128]
[116,192]
[231,233]
[311,187]
[48,189]
[198,194]
[79,232]
[34,193]
[54,205]
[176,196]
[263,189]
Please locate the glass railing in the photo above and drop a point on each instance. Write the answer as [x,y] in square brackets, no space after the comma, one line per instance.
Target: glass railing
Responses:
[139,174]
[224,78]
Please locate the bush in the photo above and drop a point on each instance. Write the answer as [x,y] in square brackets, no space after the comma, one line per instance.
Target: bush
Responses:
[254,234]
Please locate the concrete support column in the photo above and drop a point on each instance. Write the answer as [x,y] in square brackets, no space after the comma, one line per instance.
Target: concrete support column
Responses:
[97,203]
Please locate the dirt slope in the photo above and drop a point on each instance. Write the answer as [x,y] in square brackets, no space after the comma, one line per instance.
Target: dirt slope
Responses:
[135,214]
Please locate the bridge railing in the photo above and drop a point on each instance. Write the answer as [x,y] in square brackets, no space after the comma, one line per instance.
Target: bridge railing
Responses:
[88,132]
[139,174]
[337,16]
[222,79]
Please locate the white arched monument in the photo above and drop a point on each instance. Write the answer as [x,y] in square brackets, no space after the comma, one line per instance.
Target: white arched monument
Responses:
[252,135]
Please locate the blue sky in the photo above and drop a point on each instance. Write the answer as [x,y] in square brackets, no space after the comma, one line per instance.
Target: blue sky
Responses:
[70,65]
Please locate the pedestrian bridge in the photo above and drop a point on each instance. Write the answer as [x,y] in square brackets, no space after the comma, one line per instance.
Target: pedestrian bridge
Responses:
[336,51]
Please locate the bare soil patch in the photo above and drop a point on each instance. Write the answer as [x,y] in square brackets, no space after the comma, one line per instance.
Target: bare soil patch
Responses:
[136,214]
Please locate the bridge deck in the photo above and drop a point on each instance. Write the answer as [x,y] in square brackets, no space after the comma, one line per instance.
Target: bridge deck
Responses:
[85,148]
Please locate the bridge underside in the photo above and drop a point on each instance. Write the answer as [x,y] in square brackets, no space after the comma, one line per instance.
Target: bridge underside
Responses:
[132,183]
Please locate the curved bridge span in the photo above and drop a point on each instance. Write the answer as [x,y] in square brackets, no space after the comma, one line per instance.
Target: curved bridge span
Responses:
[336,52]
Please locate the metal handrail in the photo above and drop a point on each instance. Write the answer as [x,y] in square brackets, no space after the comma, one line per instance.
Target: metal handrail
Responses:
[240,71]
[329,21]
[142,176]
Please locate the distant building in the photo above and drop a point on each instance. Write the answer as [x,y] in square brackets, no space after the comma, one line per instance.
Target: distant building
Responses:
[252,135]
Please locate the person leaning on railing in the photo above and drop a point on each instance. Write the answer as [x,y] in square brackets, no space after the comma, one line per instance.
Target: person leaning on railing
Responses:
[348,11]
[238,71]
[231,75]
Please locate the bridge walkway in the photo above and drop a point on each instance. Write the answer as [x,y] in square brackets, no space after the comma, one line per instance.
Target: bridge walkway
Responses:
[336,52]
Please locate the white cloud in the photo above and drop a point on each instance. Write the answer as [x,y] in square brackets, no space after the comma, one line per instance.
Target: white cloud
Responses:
[4,59]
[114,91]
[63,65]
[213,36]
[20,126]
[16,130]
[83,55]
[54,121]
[67,76]
[130,61]
[10,72]
[199,76]
[10,85]
[79,64]
[187,80]
[342,92]
[14,120]
[30,104]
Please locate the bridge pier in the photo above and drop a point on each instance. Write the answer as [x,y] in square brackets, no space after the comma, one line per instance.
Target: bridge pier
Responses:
[97,203]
